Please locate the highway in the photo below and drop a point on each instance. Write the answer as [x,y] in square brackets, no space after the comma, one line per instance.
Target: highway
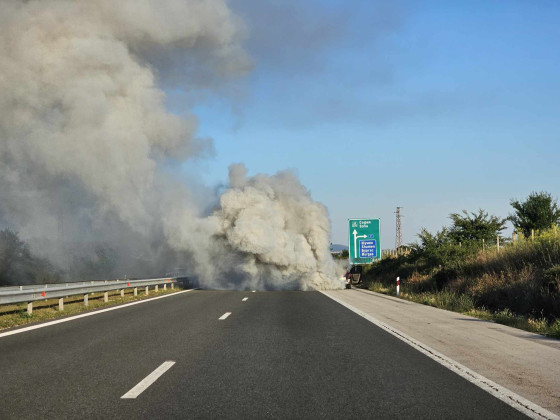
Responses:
[276,355]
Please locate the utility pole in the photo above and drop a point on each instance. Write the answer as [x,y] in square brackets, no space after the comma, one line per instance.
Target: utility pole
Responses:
[398,236]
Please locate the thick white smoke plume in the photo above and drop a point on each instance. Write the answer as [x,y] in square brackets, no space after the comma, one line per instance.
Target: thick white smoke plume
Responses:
[267,233]
[85,139]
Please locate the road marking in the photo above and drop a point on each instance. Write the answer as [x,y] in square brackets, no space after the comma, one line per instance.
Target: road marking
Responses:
[224,316]
[100,311]
[503,394]
[148,380]
[244,299]
[253,291]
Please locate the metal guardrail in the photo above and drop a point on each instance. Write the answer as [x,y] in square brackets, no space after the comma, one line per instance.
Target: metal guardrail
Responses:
[31,293]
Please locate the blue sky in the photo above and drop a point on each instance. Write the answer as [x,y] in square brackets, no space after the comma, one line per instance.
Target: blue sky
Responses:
[434,106]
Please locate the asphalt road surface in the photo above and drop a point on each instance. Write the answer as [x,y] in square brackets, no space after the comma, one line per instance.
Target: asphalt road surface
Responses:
[276,355]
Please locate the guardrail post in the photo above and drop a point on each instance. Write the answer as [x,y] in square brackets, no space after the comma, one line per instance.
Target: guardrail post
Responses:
[95,289]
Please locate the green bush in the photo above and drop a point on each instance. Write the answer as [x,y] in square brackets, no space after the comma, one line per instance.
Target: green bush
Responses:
[505,317]
[523,278]
[554,329]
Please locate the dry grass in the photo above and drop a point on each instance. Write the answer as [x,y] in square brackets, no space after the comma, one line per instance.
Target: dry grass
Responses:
[518,285]
[45,310]
[464,304]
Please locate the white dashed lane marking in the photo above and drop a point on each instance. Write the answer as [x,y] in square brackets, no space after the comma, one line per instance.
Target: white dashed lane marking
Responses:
[224,316]
[148,380]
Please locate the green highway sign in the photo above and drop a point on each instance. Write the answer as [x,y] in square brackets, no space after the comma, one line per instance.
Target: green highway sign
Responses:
[364,245]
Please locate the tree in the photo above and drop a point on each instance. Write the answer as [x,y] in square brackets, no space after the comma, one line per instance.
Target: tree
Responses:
[14,254]
[436,249]
[16,262]
[475,226]
[18,265]
[99,263]
[539,212]
[429,241]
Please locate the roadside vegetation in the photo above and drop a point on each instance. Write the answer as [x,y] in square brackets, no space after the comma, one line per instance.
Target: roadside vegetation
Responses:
[469,267]
[19,266]
[16,314]
[342,255]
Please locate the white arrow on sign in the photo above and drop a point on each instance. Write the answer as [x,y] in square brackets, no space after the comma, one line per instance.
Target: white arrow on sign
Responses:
[356,236]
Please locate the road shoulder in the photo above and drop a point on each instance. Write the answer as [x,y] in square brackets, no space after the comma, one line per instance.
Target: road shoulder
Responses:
[523,362]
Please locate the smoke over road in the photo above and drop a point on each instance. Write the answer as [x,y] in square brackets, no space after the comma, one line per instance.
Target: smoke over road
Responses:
[85,139]
[266,233]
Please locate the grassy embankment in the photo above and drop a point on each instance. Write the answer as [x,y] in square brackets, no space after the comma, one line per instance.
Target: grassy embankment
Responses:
[518,286]
[16,314]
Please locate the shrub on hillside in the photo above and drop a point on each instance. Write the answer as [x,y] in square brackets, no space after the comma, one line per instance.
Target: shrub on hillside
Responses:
[538,212]
[523,278]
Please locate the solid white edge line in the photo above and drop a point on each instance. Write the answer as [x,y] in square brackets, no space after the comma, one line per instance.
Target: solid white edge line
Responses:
[521,404]
[148,380]
[244,299]
[72,318]
[224,316]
